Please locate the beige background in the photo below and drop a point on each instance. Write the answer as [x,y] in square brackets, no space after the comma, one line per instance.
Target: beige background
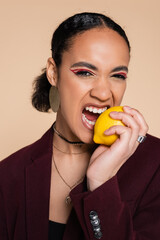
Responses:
[26,28]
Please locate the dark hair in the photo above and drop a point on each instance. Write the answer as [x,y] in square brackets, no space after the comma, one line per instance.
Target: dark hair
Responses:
[61,41]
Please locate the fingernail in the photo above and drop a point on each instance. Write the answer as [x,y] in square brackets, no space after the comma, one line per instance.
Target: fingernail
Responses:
[127,107]
[114,112]
[106,131]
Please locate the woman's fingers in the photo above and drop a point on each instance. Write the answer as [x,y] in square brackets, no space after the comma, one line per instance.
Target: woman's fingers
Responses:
[138,118]
[122,131]
[135,125]
[106,161]
[132,127]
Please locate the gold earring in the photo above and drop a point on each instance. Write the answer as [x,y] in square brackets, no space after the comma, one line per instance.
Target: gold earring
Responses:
[54,98]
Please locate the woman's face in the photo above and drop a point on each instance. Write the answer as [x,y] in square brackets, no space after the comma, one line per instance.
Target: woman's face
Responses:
[91,78]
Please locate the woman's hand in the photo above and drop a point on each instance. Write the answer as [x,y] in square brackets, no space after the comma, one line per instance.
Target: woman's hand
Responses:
[106,161]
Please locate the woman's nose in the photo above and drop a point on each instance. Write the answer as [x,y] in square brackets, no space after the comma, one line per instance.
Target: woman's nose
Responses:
[101,90]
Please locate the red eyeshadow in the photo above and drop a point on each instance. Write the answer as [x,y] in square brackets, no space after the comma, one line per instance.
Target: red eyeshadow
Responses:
[81,70]
[122,73]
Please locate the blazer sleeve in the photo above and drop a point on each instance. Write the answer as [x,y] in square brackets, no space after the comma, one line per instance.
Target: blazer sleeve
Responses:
[104,215]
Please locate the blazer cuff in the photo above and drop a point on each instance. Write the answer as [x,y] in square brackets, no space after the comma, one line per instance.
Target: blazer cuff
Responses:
[105,202]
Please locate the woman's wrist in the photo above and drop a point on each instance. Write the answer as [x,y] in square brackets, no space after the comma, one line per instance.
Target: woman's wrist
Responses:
[94,181]
[94,184]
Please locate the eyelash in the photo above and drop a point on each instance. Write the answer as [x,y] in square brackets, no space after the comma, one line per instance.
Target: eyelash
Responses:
[122,76]
[82,72]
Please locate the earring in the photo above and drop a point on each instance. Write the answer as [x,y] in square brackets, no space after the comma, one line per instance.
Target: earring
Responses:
[54,98]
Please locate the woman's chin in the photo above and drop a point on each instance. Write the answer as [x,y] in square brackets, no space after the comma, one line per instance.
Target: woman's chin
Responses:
[88,138]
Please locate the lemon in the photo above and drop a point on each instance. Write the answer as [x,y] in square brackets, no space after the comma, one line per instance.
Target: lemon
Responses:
[104,122]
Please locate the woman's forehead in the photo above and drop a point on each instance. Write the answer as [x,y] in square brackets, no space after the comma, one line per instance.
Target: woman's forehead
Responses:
[98,43]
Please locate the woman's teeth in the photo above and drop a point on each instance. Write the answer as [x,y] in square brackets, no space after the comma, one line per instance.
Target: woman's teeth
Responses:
[88,121]
[91,118]
[95,110]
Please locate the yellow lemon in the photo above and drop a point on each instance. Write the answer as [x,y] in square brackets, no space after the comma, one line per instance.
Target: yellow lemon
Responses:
[104,122]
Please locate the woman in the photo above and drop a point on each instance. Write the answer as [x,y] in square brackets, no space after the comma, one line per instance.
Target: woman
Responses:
[64,186]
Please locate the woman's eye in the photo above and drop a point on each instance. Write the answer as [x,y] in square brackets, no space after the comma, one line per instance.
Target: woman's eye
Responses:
[120,76]
[83,73]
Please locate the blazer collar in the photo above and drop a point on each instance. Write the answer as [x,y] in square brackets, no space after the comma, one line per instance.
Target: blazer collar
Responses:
[38,176]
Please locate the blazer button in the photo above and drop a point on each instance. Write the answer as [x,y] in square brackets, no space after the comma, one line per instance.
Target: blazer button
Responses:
[98,235]
[95,222]
[93,215]
[97,229]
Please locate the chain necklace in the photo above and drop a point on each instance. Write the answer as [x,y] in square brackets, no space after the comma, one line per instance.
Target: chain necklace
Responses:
[74,153]
[68,199]
[65,139]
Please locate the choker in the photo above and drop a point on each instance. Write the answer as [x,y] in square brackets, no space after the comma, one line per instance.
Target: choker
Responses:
[65,139]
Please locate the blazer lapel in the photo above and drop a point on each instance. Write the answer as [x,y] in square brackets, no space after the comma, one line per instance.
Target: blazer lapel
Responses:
[38,176]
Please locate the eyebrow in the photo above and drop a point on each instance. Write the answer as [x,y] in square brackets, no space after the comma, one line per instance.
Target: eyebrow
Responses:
[91,66]
[84,64]
[120,68]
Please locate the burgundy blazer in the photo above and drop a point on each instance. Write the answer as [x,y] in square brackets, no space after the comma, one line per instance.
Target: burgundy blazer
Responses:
[128,205]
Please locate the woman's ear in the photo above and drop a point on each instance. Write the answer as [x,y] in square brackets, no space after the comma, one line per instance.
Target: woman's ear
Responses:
[51,72]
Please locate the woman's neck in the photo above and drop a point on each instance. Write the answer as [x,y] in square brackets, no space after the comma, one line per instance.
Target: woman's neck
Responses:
[67,148]
[66,142]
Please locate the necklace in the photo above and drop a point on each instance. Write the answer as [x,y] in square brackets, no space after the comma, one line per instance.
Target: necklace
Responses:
[68,199]
[65,139]
[68,152]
